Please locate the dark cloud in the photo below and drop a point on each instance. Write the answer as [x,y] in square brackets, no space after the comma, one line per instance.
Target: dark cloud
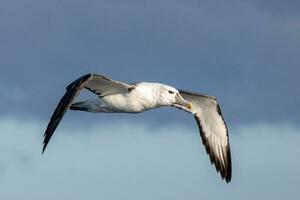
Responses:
[279,8]
[228,49]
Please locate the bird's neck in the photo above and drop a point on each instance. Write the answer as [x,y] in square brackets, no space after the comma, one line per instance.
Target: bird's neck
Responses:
[150,95]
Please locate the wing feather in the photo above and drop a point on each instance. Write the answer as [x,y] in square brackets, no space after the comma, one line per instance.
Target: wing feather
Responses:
[96,83]
[213,130]
[103,86]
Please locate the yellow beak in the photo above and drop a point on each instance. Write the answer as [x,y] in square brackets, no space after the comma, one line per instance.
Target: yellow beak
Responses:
[182,102]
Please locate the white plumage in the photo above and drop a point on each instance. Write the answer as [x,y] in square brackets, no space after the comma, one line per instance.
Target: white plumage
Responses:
[115,96]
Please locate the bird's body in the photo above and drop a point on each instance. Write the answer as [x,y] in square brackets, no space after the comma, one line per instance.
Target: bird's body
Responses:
[141,97]
[118,97]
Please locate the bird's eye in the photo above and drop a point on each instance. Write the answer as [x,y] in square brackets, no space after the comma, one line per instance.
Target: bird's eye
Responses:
[171,92]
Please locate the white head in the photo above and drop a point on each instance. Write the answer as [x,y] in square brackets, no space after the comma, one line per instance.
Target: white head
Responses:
[170,96]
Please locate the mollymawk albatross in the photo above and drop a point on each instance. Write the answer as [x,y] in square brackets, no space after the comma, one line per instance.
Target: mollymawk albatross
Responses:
[118,97]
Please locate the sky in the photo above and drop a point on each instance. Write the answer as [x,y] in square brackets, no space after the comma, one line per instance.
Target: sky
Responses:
[246,53]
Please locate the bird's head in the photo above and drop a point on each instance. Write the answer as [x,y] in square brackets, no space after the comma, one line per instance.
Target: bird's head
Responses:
[170,96]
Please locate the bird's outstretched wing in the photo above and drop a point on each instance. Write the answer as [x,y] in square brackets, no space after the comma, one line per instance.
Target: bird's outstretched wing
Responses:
[96,83]
[213,130]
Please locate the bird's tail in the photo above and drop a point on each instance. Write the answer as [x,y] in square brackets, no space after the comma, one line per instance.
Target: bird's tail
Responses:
[87,106]
[81,106]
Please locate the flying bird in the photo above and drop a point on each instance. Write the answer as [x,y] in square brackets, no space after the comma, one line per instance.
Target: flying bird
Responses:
[118,97]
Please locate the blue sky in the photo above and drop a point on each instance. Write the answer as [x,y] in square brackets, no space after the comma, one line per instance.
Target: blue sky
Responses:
[245,53]
[120,161]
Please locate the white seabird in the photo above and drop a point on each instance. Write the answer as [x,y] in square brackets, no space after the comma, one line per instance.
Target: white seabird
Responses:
[118,97]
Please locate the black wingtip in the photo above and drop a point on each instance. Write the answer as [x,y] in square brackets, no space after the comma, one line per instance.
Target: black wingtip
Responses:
[44,148]
[227,174]
[228,179]
[73,90]
[45,143]
[224,170]
[229,167]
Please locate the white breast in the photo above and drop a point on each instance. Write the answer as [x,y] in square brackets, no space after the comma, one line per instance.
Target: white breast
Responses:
[142,97]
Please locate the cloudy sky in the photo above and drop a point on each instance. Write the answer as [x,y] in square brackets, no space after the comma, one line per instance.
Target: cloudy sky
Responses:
[245,53]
